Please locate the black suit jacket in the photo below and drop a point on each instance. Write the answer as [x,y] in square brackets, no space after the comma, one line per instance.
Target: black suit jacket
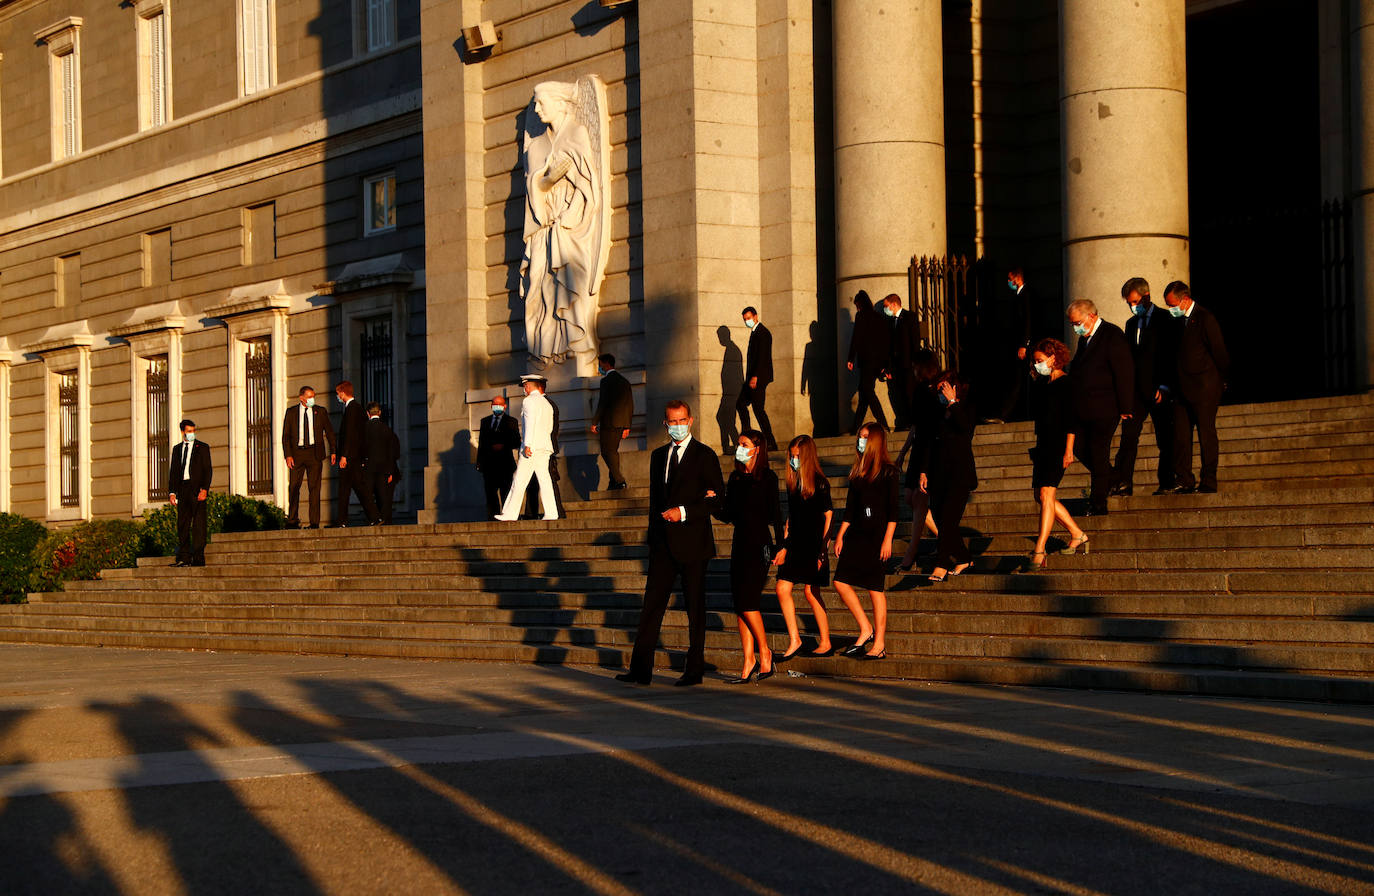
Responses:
[1023,307]
[324,432]
[496,446]
[698,472]
[615,406]
[1102,375]
[870,345]
[202,470]
[905,342]
[949,461]
[1203,361]
[351,442]
[1154,345]
[759,361]
[383,448]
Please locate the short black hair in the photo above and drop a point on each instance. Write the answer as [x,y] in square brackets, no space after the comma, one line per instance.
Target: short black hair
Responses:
[1136,285]
[750,310]
[608,359]
[305,389]
[1178,288]
[374,406]
[186,423]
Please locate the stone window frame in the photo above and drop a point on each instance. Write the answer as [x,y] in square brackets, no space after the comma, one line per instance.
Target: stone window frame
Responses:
[58,356]
[263,12]
[380,177]
[147,340]
[63,40]
[6,360]
[250,312]
[375,29]
[2,177]
[145,14]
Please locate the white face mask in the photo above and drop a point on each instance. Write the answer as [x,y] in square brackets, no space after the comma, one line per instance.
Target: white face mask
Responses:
[310,402]
[190,437]
[1042,368]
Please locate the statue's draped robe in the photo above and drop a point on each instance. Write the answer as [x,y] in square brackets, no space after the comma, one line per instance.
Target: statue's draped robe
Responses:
[561,249]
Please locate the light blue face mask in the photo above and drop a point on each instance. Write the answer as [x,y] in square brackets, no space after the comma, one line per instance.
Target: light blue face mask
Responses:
[944,399]
[751,324]
[310,402]
[794,463]
[1042,368]
[498,409]
[1176,310]
[1080,329]
[743,454]
[1011,284]
[679,431]
[190,438]
[863,444]
[1140,308]
[887,309]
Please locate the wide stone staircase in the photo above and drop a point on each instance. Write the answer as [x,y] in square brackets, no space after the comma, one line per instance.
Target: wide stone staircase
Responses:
[1265,589]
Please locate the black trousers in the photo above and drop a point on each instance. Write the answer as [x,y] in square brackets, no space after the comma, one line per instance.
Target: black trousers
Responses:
[1199,413]
[382,494]
[307,468]
[610,453]
[497,486]
[1017,375]
[353,480]
[664,570]
[755,398]
[900,390]
[1093,446]
[1162,415]
[868,398]
[947,506]
[191,523]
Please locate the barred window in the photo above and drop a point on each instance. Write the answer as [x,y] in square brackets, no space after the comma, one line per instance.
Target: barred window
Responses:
[69,427]
[377,365]
[159,428]
[259,415]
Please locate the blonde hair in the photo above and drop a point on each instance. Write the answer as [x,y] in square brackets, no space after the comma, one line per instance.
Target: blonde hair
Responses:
[810,472]
[870,465]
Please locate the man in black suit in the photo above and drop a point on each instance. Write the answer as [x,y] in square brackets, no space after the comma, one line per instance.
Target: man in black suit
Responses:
[905,342]
[1151,334]
[1103,384]
[615,410]
[352,448]
[1201,370]
[870,345]
[188,488]
[497,440]
[758,373]
[685,487]
[307,437]
[1017,344]
[381,462]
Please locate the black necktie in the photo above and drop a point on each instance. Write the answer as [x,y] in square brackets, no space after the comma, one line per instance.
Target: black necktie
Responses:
[672,462]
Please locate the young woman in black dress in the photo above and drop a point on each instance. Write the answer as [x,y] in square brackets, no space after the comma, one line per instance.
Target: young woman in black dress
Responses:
[950,475]
[751,504]
[864,543]
[803,559]
[1053,450]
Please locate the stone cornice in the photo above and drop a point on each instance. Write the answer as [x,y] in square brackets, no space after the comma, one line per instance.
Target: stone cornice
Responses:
[253,299]
[61,337]
[43,35]
[151,325]
[376,273]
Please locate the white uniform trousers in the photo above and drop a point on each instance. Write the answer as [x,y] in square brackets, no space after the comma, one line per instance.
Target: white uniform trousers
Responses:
[536,465]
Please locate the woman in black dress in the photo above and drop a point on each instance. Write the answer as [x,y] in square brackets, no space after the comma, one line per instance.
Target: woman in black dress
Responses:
[864,543]
[803,559]
[949,474]
[751,504]
[1053,451]
[926,412]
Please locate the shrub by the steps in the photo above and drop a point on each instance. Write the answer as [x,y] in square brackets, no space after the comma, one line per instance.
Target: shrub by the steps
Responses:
[82,551]
[225,513]
[18,537]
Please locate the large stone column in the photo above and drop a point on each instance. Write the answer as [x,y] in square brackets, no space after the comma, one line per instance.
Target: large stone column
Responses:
[1362,170]
[889,149]
[1123,105]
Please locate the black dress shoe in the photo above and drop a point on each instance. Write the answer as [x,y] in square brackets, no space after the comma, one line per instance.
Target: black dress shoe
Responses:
[178,563]
[1121,491]
[687,681]
[1186,490]
[617,486]
[632,678]
[1168,490]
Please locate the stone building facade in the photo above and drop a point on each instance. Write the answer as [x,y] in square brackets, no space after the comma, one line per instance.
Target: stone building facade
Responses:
[204,206]
[776,153]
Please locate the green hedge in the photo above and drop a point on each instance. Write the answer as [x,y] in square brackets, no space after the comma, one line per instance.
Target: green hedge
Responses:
[32,558]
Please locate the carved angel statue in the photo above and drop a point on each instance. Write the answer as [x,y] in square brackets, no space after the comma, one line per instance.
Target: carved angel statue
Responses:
[567,220]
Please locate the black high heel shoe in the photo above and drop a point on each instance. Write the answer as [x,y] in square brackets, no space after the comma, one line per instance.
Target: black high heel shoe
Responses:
[750,675]
[786,656]
[858,648]
[769,674]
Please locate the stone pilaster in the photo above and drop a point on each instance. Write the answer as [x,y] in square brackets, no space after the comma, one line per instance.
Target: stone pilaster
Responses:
[889,149]
[1362,172]
[1123,104]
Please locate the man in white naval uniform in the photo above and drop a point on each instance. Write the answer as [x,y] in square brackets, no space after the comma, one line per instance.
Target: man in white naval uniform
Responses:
[536,449]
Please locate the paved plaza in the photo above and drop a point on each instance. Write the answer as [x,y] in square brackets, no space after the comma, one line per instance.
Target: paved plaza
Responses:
[158,772]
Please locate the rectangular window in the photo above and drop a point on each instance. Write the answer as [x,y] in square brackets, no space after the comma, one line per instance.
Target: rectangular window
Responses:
[379,200]
[157,257]
[381,24]
[258,414]
[154,71]
[69,127]
[255,43]
[69,280]
[376,364]
[69,444]
[260,233]
[159,427]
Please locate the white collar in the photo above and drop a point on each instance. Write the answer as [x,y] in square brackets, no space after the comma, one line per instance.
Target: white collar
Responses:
[1019,288]
[1093,332]
[682,444]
